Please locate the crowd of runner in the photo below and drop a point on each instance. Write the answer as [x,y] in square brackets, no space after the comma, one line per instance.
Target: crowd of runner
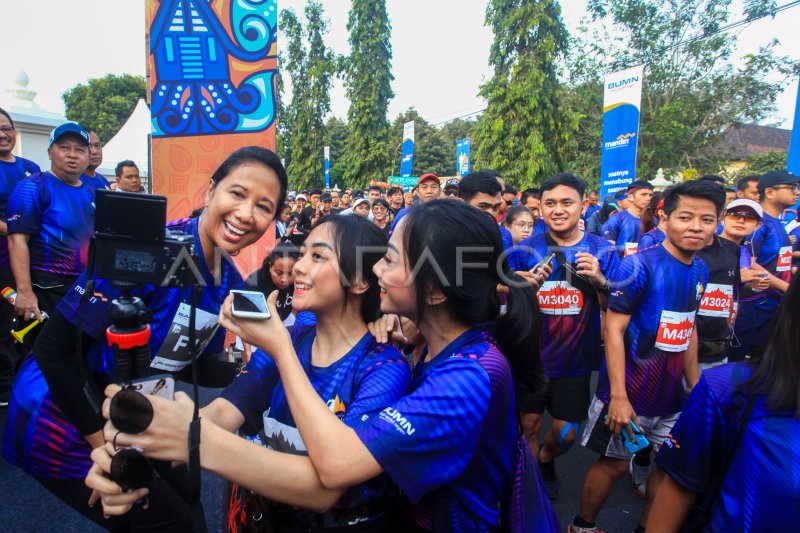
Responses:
[418,341]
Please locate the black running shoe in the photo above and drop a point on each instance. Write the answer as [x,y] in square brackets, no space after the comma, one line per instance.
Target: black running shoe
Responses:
[550,479]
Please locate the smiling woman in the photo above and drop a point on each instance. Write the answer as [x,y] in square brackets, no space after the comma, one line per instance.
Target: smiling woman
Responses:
[54,423]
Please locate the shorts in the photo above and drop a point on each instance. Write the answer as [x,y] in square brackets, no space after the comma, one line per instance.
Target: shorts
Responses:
[598,438]
[564,398]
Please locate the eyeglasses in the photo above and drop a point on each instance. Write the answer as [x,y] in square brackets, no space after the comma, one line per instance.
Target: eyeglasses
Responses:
[522,225]
[747,217]
[793,188]
[7,129]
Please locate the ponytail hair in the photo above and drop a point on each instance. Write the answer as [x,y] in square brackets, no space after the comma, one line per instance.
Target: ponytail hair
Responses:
[466,266]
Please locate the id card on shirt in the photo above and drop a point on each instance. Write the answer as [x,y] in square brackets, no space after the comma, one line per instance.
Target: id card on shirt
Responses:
[784,259]
[174,353]
[631,248]
[717,301]
[559,298]
[674,331]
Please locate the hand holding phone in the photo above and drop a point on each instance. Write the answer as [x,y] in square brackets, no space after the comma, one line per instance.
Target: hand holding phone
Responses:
[249,304]
[639,441]
[546,260]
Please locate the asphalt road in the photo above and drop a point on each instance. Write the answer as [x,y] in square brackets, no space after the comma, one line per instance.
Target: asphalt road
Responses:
[27,506]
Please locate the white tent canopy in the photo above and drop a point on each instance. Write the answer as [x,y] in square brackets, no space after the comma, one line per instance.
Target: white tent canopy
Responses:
[130,142]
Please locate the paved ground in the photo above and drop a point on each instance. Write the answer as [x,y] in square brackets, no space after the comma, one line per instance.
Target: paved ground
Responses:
[27,506]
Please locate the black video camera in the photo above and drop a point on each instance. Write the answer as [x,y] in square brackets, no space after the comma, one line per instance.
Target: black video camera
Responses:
[131,244]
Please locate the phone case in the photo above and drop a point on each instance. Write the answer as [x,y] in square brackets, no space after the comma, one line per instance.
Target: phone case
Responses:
[162,385]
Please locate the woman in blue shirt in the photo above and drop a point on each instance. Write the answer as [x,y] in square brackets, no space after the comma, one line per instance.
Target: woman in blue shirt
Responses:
[52,424]
[453,443]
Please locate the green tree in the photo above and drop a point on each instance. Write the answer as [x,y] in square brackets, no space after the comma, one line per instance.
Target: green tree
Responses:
[691,93]
[336,133]
[311,72]
[761,163]
[456,130]
[104,104]
[431,150]
[524,132]
[368,80]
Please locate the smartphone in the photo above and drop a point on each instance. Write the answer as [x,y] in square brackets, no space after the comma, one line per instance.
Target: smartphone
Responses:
[640,442]
[546,260]
[162,385]
[249,304]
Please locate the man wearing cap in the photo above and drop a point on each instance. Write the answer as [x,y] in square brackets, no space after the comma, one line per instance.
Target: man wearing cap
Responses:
[624,229]
[451,188]
[300,203]
[50,223]
[428,188]
[772,249]
[91,177]
[716,311]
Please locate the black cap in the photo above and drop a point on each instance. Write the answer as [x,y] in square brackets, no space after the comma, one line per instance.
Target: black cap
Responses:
[452,183]
[326,197]
[776,177]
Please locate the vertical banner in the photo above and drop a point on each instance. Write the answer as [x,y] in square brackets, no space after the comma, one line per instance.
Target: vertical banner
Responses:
[407,162]
[212,70]
[793,160]
[327,151]
[622,100]
[462,157]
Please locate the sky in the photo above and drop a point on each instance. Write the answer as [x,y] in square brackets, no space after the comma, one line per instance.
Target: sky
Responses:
[440,47]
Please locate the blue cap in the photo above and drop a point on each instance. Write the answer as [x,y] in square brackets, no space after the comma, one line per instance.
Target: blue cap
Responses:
[69,128]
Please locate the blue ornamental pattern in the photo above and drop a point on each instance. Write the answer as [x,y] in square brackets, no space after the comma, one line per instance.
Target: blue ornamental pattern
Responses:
[191,47]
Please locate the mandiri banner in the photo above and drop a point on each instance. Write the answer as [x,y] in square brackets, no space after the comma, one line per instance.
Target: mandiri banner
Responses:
[212,73]
[407,162]
[327,152]
[462,157]
[621,104]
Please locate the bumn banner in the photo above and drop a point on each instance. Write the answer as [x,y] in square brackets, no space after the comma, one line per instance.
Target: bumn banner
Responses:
[621,104]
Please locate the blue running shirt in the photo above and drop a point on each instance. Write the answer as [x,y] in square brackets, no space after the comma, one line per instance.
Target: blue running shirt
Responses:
[451,442]
[58,217]
[652,238]
[624,230]
[570,344]
[358,386]
[97,182]
[662,296]
[761,488]
[10,175]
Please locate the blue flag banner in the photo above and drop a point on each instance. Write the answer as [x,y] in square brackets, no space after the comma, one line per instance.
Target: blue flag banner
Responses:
[407,162]
[462,157]
[621,103]
[327,151]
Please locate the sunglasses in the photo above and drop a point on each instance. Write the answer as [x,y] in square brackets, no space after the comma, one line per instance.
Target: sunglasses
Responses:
[509,202]
[747,217]
[451,192]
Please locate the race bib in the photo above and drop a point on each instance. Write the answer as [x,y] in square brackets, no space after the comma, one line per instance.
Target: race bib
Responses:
[631,248]
[717,301]
[674,331]
[784,259]
[559,298]
[174,353]
[281,437]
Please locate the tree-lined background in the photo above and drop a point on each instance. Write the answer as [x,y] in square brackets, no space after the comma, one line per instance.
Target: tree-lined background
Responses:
[543,100]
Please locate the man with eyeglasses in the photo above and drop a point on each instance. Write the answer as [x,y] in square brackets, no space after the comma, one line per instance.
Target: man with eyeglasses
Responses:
[570,301]
[778,190]
[91,177]
[13,169]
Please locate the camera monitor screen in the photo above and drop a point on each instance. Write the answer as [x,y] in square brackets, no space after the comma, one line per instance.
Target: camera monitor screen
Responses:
[128,215]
